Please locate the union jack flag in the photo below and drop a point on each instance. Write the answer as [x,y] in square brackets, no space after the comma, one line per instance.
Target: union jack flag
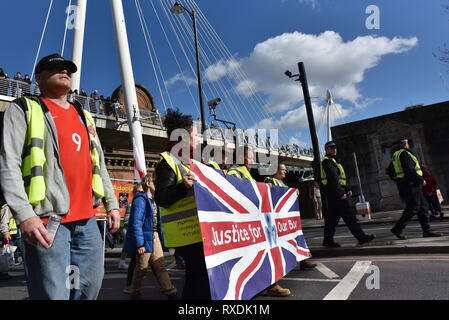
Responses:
[251,233]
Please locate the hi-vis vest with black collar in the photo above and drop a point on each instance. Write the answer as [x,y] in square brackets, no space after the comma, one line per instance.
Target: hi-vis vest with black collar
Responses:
[341,175]
[398,170]
[33,159]
[276,182]
[179,221]
[241,172]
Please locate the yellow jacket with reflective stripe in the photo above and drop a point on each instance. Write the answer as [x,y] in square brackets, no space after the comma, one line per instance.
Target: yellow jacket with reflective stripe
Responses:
[276,182]
[180,223]
[341,176]
[398,170]
[15,143]
[34,158]
[241,172]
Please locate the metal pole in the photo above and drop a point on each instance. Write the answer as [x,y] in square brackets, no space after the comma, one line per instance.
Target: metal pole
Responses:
[313,135]
[129,88]
[78,39]
[198,70]
[359,182]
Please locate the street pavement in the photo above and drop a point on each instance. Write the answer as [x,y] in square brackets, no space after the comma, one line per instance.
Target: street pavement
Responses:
[335,265]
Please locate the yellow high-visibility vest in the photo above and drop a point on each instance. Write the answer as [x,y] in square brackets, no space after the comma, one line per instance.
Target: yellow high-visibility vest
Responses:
[215,165]
[12,225]
[398,170]
[34,156]
[241,172]
[276,182]
[341,176]
[180,223]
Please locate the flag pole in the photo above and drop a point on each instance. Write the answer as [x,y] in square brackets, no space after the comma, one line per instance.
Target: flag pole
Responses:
[129,88]
[78,39]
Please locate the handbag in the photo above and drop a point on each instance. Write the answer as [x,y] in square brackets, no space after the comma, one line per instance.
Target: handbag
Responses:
[7,257]
[440,196]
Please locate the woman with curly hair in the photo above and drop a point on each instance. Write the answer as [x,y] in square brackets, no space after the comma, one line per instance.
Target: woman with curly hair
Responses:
[174,194]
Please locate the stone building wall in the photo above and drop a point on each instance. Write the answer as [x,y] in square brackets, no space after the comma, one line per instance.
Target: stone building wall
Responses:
[428,129]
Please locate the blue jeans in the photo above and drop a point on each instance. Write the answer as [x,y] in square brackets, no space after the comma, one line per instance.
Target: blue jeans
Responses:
[72,268]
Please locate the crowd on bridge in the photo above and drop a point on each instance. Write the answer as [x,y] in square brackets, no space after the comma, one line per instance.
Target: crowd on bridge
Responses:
[53,176]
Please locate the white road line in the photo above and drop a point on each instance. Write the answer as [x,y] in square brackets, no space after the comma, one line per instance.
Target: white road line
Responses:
[349,282]
[311,280]
[326,271]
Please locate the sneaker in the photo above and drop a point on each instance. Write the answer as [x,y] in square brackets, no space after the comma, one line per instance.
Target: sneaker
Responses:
[277,291]
[123,265]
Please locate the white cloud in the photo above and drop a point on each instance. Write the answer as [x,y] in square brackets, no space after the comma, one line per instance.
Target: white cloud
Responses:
[181,77]
[330,62]
[297,118]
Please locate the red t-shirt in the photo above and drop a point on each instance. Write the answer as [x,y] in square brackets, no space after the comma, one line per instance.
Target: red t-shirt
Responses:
[75,159]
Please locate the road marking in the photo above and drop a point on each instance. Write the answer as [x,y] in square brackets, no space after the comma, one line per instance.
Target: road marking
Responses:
[311,280]
[343,290]
[326,271]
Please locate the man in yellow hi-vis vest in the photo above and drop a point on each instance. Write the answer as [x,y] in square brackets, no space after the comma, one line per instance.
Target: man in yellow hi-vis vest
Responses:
[243,171]
[336,192]
[53,174]
[409,179]
[175,197]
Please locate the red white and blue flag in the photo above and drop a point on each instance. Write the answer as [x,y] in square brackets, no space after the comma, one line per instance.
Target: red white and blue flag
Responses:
[251,233]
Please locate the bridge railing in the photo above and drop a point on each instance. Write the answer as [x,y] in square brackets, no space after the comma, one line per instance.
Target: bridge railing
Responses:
[104,107]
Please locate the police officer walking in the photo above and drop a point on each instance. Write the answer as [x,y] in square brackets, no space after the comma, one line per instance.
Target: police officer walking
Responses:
[337,194]
[406,172]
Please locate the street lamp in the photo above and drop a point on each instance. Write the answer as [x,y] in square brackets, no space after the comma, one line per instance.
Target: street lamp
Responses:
[179,9]
[305,87]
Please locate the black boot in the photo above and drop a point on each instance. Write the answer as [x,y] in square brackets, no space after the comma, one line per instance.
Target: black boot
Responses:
[431,234]
[367,239]
[331,244]
[398,235]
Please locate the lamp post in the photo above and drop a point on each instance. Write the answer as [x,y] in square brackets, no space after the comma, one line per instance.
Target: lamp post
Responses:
[179,9]
[316,148]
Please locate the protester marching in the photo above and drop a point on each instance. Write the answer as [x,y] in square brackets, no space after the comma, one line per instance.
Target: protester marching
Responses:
[111,192]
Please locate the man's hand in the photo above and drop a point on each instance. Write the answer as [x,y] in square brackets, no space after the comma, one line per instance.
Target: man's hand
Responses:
[113,221]
[34,231]
[349,194]
[345,196]
[424,183]
[6,238]
[188,180]
[140,250]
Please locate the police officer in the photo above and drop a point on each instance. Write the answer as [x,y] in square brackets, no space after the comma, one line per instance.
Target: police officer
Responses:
[408,176]
[337,194]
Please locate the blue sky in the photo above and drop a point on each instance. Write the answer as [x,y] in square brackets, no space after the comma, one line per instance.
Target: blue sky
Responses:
[370,72]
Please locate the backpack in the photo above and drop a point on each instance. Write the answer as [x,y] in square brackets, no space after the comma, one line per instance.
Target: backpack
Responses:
[390,171]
